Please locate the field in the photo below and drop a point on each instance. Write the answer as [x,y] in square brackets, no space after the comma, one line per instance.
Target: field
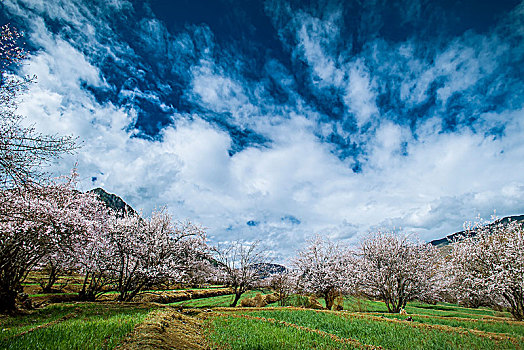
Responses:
[71,326]
[210,323]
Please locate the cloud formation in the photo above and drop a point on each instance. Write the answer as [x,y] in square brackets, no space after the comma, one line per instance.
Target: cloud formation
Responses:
[345,121]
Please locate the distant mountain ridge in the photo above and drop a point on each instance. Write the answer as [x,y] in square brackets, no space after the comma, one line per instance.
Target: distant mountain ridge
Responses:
[114,202]
[267,269]
[445,241]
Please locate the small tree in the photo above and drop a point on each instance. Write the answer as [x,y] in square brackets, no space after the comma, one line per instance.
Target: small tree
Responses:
[323,268]
[238,263]
[94,256]
[283,283]
[133,253]
[395,269]
[489,261]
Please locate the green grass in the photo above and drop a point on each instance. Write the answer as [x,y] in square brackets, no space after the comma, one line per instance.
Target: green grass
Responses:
[12,325]
[90,326]
[362,305]
[115,292]
[391,335]
[235,333]
[439,326]
[440,309]
[511,328]
[452,310]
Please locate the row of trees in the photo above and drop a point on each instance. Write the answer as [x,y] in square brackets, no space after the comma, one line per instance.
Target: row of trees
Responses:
[482,267]
[55,227]
[386,266]
[485,267]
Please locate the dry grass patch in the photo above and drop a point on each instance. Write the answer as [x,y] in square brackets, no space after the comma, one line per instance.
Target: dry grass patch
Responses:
[259,300]
[182,295]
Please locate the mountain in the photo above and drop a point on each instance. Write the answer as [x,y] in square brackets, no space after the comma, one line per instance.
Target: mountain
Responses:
[267,269]
[445,241]
[114,202]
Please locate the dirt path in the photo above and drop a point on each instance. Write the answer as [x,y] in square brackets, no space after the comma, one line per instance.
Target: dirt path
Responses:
[167,329]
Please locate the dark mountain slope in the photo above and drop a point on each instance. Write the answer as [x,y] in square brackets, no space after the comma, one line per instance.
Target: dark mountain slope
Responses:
[114,202]
[445,241]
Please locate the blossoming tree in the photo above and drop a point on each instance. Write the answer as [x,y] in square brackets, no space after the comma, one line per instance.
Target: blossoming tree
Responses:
[393,268]
[488,264]
[23,150]
[239,265]
[153,250]
[324,268]
[28,203]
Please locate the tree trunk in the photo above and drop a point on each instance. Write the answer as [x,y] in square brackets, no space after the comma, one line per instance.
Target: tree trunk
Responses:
[87,296]
[516,301]
[135,292]
[235,301]
[84,286]
[329,297]
[87,293]
[7,300]
[47,286]
[394,304]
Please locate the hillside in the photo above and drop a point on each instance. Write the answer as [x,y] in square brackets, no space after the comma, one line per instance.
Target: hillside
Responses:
[445,241]
[114,202]
[267,269]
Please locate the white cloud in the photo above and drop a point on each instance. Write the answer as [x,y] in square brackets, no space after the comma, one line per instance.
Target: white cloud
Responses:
[217,91]
[360,94]
[191,171]
[419,177]
[315,36]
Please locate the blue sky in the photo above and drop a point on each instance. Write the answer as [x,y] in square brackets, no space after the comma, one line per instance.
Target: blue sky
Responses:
[278,120]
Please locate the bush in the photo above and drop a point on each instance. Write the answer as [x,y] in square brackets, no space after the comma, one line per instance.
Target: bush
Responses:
[302,301]
[258,301]
[272,298]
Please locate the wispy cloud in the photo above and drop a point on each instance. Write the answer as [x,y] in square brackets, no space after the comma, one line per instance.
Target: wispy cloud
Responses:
[336,133]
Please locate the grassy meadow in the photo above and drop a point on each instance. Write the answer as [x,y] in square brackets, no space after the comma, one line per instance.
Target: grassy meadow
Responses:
[362,324]
[71,326]
[365,324]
